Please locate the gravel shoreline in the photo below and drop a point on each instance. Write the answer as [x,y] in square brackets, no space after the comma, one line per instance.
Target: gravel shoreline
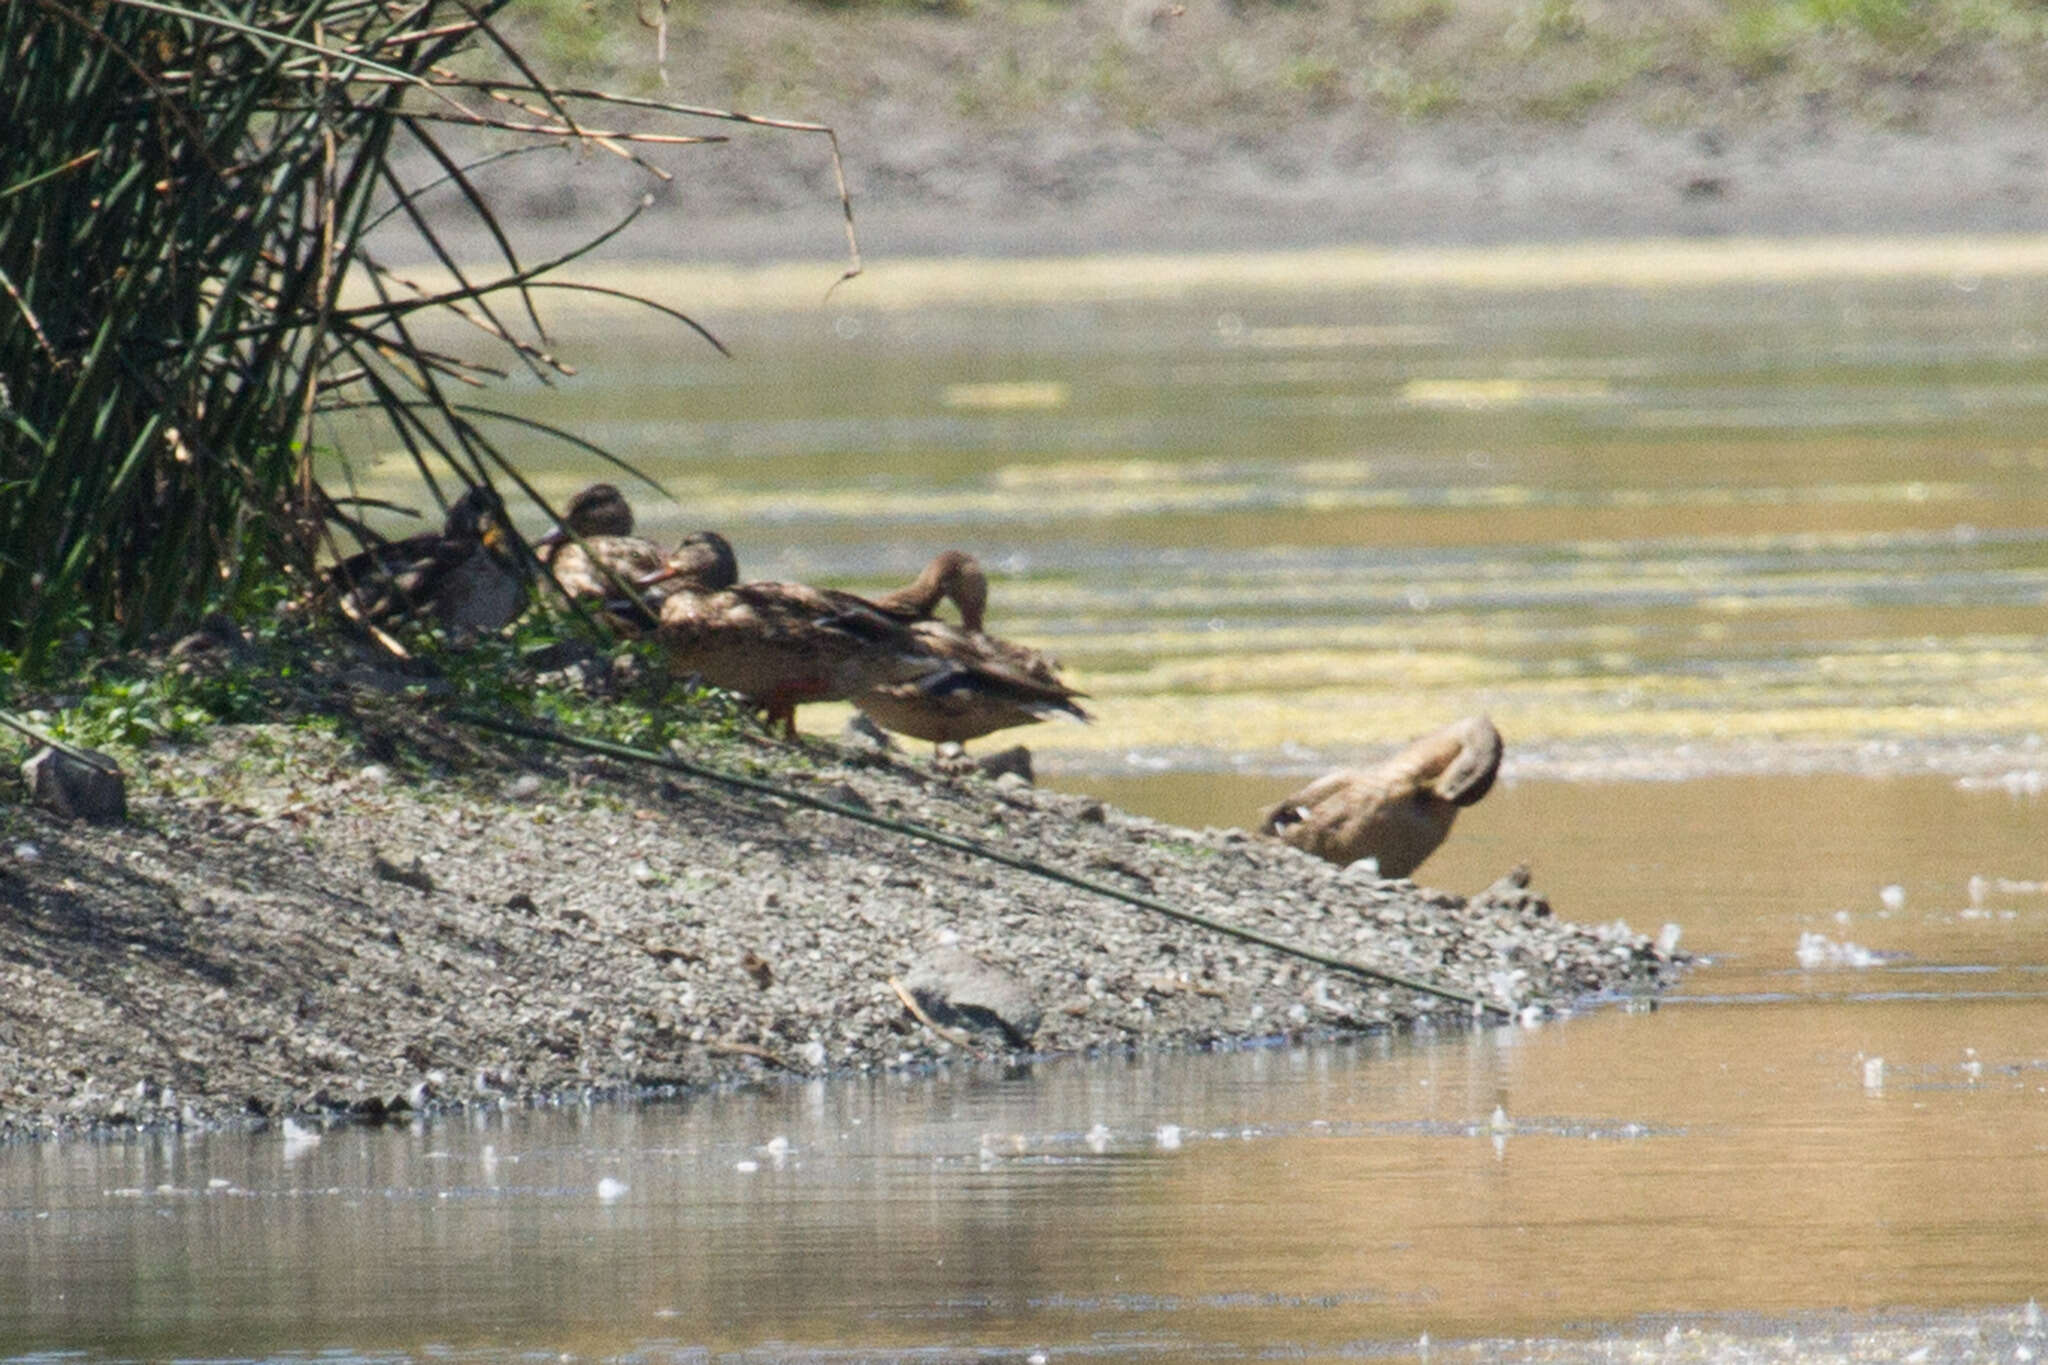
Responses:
[286,928]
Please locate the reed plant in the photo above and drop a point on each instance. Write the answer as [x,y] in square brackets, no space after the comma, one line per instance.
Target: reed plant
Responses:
[183,190]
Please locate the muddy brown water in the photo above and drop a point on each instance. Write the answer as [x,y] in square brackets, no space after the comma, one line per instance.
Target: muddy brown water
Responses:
[1753,576]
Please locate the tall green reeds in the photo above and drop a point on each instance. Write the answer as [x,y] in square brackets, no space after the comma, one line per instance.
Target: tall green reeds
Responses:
[183,188]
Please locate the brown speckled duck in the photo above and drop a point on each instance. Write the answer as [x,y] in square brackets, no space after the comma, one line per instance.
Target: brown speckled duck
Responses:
[987,684]
[1398,812]
[463,574]
[783,644]
[594,552]
[596,558]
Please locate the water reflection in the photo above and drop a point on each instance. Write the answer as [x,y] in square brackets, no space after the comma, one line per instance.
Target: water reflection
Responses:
[1771,1140]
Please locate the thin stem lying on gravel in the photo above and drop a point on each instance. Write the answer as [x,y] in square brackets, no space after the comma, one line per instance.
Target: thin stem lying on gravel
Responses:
[973,848]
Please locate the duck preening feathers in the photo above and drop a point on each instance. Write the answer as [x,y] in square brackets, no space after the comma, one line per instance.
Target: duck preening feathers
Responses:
[1398,812]
[986,684]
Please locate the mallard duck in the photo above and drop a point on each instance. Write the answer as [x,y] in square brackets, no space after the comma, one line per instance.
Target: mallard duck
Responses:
[595,557]
[463,573]
[987,685]
[594,552]
[1398,812]
[783,644]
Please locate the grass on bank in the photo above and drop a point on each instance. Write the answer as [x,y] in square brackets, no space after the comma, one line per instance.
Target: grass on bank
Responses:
[1258,69]
[290,674]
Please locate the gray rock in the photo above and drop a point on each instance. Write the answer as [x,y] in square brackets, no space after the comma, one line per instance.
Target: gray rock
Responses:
[959,990]
[85,785]
[1014,761]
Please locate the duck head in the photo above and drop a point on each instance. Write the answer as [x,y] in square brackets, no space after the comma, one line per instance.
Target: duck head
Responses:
[599,510]
[478,515]
[704,561]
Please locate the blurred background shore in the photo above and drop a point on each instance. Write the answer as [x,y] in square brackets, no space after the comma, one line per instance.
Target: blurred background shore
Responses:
[1043,128]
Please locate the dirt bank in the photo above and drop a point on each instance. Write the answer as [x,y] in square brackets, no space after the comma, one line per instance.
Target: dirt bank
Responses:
[1012,130]
[285,926]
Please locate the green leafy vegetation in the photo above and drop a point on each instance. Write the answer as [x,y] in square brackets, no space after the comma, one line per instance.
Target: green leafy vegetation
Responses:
[186,191]
[291,675]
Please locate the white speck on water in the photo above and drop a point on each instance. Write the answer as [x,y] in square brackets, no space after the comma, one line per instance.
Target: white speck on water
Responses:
[2019,782]
[1098,1139]
[1873,1074]
[1168,1137]
[1818,950]
[1036,1358]
[746,1167]
[1893,897]
[219,1184]
[609,1189]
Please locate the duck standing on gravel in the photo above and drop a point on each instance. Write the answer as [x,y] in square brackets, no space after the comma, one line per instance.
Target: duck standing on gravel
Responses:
[987,685]
[464,573]
[783,644]
[1398,812]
